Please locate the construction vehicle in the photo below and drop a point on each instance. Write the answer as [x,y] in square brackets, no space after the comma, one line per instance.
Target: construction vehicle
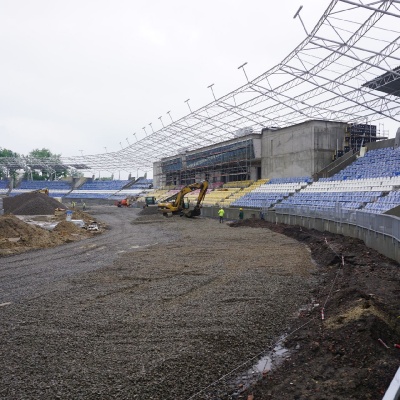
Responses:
[149,200]
[123,203]
[177,204]
[43,191]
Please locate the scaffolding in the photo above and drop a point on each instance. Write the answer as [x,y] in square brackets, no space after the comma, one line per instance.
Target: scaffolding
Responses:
[221,163]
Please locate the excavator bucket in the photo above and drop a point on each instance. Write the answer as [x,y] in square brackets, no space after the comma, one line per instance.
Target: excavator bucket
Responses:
[193,213]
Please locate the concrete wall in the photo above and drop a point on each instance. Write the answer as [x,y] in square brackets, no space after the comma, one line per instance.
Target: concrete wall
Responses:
[300,150]
[158,177]
[380,145]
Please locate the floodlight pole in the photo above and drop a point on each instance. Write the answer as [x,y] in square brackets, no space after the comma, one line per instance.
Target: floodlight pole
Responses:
[121,145]
[212,91]
[298,15]
[169,113]
[151,126]
[128,142]
[144,128]
[105,148]
[160,118]
[187,102]
[242,67]
[134,134]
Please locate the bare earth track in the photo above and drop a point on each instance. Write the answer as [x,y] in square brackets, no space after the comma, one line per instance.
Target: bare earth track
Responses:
[159,308]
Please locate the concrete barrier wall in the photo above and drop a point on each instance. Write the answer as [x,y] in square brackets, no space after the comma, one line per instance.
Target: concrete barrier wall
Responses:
[384,244]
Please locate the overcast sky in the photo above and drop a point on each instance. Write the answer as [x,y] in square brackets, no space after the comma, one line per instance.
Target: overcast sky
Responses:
[82,76]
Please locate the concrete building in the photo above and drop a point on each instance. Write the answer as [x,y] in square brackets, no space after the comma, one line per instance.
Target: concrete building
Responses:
[298,150]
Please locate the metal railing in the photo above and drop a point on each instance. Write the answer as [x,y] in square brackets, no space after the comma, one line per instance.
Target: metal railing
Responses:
[381,223]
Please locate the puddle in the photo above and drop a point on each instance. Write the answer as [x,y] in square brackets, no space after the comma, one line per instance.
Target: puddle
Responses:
[273,359]
[144,245]
[234,387]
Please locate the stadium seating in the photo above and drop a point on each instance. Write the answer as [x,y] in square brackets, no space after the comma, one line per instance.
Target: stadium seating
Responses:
[4,186]
[56,188]
[271,192]
[113,190]
[369,184]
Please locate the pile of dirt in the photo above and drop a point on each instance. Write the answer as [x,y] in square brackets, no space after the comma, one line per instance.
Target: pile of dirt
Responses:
[150,210]
[31,204]
[344,348]
[67,228]
[17,236]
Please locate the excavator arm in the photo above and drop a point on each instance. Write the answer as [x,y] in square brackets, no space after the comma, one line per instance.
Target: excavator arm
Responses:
[196,211]
[177,205]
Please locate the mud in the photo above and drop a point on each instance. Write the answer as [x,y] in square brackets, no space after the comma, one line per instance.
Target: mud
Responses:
[338,349]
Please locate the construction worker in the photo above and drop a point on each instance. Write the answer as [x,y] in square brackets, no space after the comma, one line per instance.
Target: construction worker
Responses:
[221,214]
[241,214]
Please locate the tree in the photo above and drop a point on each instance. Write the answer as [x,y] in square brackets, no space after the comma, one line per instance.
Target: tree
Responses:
[46,172]
[5,170]
[43,153]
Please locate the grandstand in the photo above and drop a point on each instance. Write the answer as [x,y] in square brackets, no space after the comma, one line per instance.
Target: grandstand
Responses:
[56,188]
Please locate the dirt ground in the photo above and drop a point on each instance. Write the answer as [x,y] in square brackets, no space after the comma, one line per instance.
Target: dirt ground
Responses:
[173,308]
[344,355]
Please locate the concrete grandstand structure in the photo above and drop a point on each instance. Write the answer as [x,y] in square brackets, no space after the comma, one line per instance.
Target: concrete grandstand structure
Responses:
[303,149]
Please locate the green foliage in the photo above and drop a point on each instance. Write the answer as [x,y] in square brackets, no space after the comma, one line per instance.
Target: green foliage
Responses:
[4,172]
[7,153]
[45,173]
[43,153]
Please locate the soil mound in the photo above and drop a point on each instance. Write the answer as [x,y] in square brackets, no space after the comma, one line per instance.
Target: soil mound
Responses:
[15,233]
[12,227]
[31,204]
[151,210]
[67,227]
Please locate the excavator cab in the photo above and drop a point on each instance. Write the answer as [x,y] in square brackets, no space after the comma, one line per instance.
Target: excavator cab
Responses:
[150,200]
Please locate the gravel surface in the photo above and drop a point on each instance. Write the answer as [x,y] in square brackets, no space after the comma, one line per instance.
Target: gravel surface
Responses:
[154,308]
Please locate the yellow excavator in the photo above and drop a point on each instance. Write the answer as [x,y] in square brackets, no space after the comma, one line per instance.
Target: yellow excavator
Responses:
[43,191]
[176,204]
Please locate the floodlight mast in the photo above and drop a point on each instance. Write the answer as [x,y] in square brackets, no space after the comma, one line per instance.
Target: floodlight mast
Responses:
[187,102]
[169,113]
[242,67]
[298,15]
[151,126]
[212,91]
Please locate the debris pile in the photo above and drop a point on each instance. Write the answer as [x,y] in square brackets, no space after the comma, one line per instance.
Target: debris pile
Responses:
[17,236]
[31,204]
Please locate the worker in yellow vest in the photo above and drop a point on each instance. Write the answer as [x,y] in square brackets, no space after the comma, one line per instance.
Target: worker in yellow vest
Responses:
[221,213]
